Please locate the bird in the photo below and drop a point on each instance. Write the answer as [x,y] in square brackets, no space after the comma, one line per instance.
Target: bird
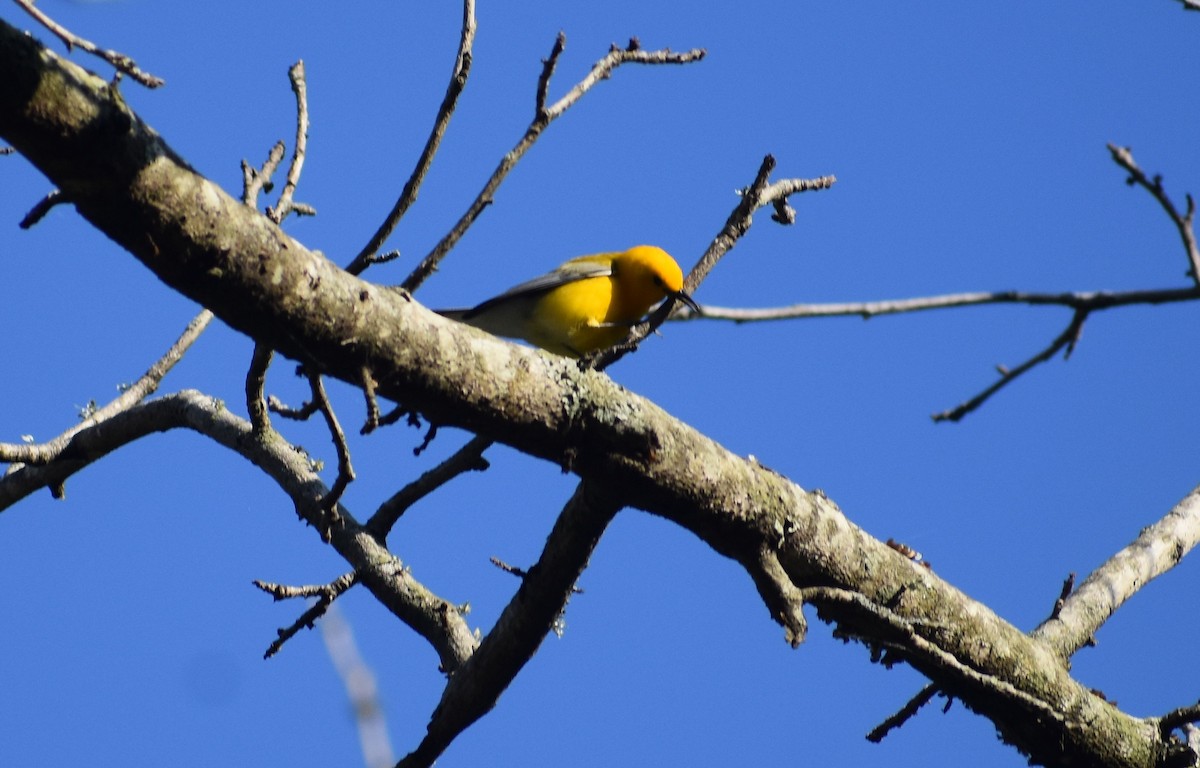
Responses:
[585,305]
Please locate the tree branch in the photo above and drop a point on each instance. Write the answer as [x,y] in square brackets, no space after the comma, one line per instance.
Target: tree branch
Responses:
[1123,157]
[119,61]
[1156,550]
[435,619]
[601,70]
[529,616]
[256,278]
[408,195]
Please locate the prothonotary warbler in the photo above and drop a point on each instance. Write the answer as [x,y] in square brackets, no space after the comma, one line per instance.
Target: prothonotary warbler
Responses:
[588,303]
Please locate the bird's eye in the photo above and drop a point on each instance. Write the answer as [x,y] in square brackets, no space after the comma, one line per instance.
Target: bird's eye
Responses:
[658,281]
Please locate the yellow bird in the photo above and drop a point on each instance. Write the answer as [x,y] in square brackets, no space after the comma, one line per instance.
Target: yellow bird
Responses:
[587,304]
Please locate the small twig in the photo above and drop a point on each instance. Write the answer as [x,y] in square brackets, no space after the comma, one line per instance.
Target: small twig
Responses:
[1064,593]
[408,195]
[549,64]
[286,204]
[120,61]
[345,471]
[521,573]
[1190,5]
[42,207]
[904,714]
[7,151]
[303,413]
[368,386]
[259,180]
[325,594]
[469,458]
[131,395]
[1123,157]
[1066,340]
[601,70]
[753,197]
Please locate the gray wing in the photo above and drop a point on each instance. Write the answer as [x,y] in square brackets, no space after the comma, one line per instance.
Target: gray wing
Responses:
[567,273]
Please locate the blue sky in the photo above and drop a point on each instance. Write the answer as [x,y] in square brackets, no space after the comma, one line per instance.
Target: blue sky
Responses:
[969,144]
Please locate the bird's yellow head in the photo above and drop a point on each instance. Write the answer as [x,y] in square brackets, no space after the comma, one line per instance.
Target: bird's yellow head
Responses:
[646,274]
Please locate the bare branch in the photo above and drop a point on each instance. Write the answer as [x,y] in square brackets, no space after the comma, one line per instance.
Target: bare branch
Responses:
[345,471]
[325,594]
[601,70]
[435,619]
[1123,156]
[753,197]
[469,458]
[408,195]
[130,395]
[259,180]
[1178,718]
[120,61]
[1156,550]
[529,616]
[1067,339]
[42,207]
[904,714]
[286,205]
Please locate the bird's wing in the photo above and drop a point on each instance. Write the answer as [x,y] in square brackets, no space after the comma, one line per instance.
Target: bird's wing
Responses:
[576,269]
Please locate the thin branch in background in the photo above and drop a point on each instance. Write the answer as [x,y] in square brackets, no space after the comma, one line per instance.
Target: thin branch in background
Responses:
[286,203]
[345,470]
[120,61]
[259,180]
[130,395]
[904,714]
[469,458]
[601,70]
[7,151]
[325,594]
[408,195]
[1190,5]
[1066,340]
[42,207]
[1123,156]
[359,681]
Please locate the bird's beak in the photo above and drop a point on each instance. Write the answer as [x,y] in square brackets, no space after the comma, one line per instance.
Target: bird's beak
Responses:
[681,296]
